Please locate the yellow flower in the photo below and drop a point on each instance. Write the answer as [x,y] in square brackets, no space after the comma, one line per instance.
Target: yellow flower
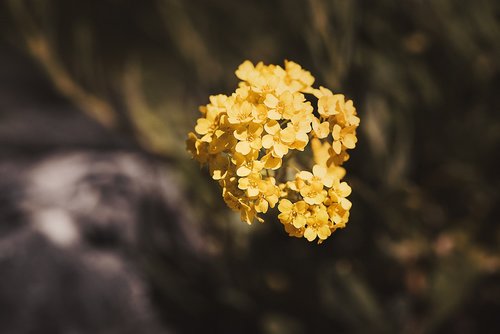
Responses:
[286,209]
[301,121]
[240,113]
[313,193]
[277,139]
[319,174]
[251,184]
[301,126]
[338,194]
[248,214]
[293,231]
[338,215]
[197,148]
[293,213]
[285,106]
[259,114]
[343,137]
[246,71]
[248,139]
[207,126]
[328,103]
[269,195]
[262,79]
[350,114]
[310,185]
[347,114]
[321,130]
[271,162]
[217,103]
[320,151]
[246,164]
[317,225]
[299,79]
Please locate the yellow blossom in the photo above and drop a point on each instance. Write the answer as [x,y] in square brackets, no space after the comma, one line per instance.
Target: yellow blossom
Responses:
[285,106]
[343,137]
[346,114]
[240,113]
[249,137]
[208,125]
[317,225]
[247,71]
[299,78]
[313,192]
[248,140]
[271,162]
[251,184]
[321,129]
[329,104]
[246,164]
[293,213]
[269,195]
[197,148]
[278,140]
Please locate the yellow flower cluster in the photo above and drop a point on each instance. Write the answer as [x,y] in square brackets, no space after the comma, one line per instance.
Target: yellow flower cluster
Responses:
[248,141]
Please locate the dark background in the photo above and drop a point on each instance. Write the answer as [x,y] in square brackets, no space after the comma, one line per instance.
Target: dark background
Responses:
[107,226]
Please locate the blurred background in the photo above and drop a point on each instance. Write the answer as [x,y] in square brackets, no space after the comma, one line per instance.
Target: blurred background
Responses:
[107,226]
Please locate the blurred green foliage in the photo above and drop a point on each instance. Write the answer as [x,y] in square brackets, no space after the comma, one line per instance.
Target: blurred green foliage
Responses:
[421,252]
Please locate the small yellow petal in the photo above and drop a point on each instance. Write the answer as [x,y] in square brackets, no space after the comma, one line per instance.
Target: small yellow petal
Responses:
[301,206]
[299,221]
[345,203]
[344,189]
[336,131]
[324,232]
[267,141]
[305,175]
[261,206]
[274,115]
[319,171]
[256,144]
[271,162]
[302,136]
[285,205]
[310,234]
[243,147]
[252,192]
[241,133]
[243,183]
[280,150]
[243,171]
[349,140]
[272,127]
[337,147]
[202,126]
[271,101]
[288,135]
